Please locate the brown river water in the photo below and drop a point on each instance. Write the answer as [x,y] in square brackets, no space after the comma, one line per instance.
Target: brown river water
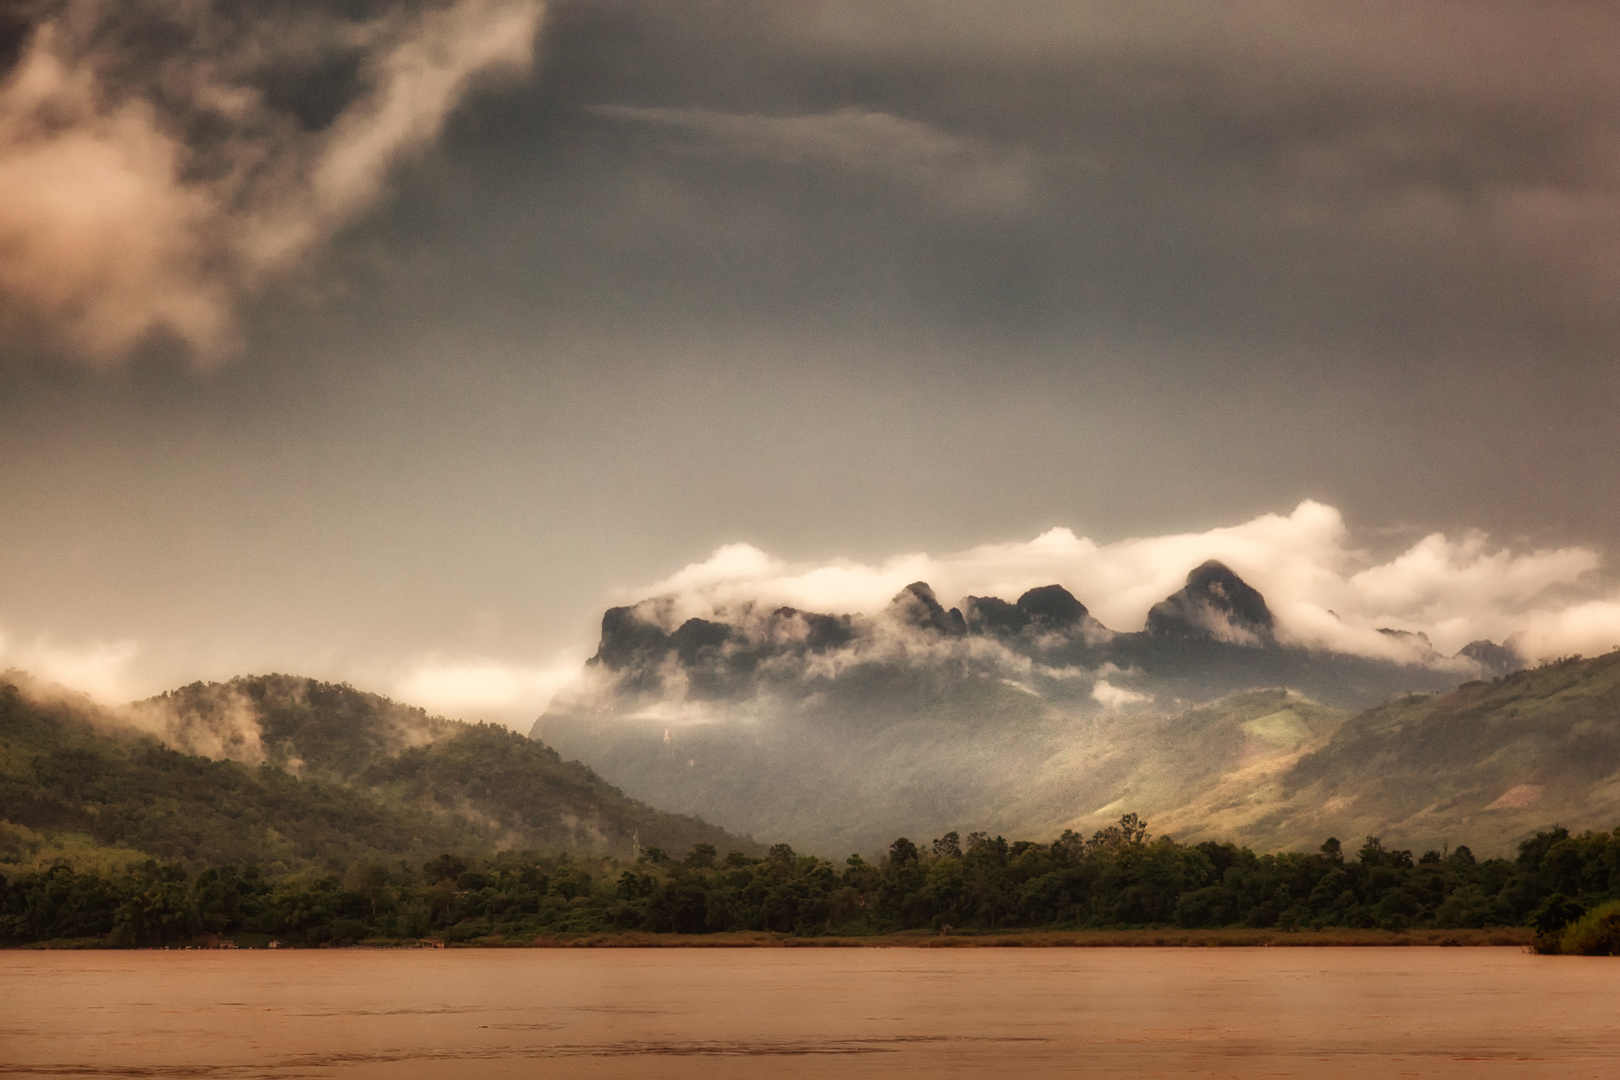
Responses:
[721,1013]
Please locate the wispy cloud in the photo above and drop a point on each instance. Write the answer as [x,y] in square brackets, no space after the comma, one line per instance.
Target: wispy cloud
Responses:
[917,158]
[100,669]
[484,689]
[162,159]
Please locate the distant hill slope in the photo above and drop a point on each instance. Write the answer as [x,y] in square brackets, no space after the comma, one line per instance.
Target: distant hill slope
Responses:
[323,775]
[1493,760]
[1487,765]
[982,757]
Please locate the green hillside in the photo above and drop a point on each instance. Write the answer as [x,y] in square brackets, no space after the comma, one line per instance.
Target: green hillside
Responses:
[331,776]
[301,725]
[1493,760]
[351,817]
[1488,765]
[1199,772]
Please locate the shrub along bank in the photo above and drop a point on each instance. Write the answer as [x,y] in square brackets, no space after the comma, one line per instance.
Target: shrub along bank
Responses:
[1120,877]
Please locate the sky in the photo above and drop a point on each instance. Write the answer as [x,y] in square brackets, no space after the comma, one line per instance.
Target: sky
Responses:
[392,340]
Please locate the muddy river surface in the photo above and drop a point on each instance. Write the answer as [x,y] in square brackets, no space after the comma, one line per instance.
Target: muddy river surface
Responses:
[677,1013]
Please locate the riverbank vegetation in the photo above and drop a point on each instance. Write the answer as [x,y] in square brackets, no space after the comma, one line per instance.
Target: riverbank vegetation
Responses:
[1120,879]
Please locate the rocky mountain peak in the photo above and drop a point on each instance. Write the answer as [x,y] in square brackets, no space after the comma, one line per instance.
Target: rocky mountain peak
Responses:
[1495,659]
[628,639]
[917,605]
[1214,605]
[1046,608]
[1052,606]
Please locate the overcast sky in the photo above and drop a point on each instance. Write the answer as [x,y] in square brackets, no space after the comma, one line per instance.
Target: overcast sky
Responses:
[403,339]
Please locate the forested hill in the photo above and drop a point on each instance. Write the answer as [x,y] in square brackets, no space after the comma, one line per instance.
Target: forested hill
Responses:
[322,775]
[1490,763]
[1494,758]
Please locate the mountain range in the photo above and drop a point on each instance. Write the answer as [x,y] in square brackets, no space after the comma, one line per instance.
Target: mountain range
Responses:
[837,731]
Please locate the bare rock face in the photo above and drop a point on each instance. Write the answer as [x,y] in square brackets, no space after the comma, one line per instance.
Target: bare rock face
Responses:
[1216,605]
[1043,610]
[1495,659]
[917,606]
[627,639]
[1052,607]
[993,615]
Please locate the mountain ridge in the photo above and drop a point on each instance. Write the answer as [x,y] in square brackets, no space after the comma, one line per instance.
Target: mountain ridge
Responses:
[1215,621]
[331,774]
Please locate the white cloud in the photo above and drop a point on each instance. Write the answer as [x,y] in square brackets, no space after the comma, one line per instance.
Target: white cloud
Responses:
[1113,697]
[99,669]
[1324,591]
[114,226]
[483,689]
[463,688]
[1588,628]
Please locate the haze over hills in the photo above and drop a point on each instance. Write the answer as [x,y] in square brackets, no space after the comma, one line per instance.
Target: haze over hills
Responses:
[286,772]
[838,731]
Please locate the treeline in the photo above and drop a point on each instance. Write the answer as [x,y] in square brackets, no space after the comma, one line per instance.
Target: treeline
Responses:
[1119,877]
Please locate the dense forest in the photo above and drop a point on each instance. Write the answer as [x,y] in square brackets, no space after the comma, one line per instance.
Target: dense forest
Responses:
[1563,885]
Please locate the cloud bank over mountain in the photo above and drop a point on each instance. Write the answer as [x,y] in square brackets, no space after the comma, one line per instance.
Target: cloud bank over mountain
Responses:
[162,159]
[811,701]
[1325,591]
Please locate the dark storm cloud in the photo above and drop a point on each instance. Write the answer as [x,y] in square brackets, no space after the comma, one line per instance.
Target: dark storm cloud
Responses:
[1441,174]
[160,158]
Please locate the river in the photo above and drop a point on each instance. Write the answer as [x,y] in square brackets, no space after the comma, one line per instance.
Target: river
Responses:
[721,1013]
